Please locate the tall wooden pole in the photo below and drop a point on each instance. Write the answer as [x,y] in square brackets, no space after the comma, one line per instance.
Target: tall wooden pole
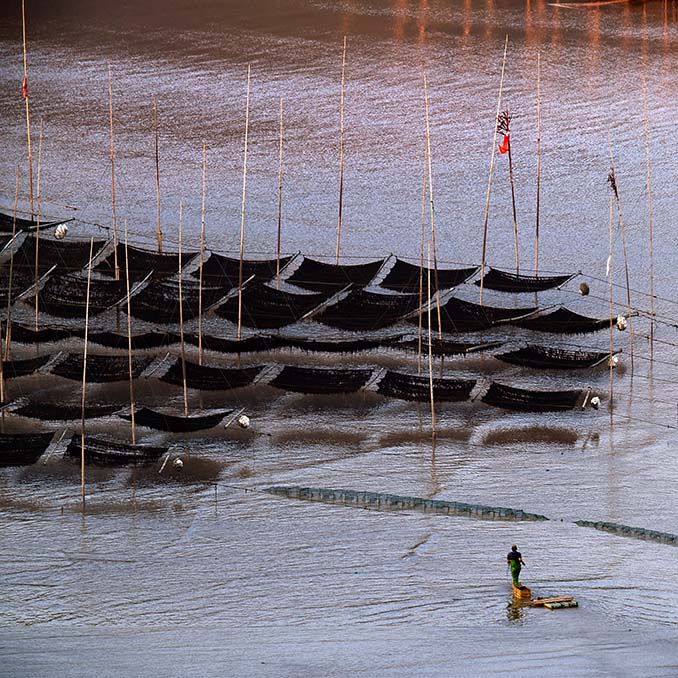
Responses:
[202,249]
[489,181]
[8,331]
[28,111]
[615,187]
[116,267]
[421,261]
[280,187]
[649,209]
[341,150]
[609,275]
[513,194]
[157,172]
[129,342]
[430,349]
[432,209]
[37,232]
[536,239]
[242,207]
[181,315]
[84,380]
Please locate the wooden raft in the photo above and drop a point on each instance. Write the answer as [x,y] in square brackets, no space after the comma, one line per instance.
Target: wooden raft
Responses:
[555,602]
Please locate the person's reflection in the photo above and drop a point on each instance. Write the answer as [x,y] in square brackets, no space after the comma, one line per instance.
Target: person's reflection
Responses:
[515,610]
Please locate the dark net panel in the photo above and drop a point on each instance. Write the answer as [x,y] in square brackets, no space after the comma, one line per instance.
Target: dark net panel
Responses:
[511,398]
[140,342]
[207,378]
[463,316]
[20,368]
[100,368]
[248,345]
[158,302]
[27,335]
[503,281]
[405,277]
[22,449]
[141,262]
[316,275]
[443,347]
[346,346]
[564,321]
[265,307]
[8,222]
[57,412]
[319,380]
[160,421]
[544,357]
[113,453]
[362,310]
[66,255]
[225,271]
[65,296]
[22,281]
[413,387]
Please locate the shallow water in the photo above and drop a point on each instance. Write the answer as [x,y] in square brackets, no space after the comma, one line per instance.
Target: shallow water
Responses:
[316,583]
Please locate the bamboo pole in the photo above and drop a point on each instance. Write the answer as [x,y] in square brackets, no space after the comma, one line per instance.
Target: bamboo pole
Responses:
[431,206]
[157,172]
[8,331]
[202,250]
[37,232]
[116,267]
[84,380]
[430,348]
[28,111]
[280,187]
[609,274]
[129,342]
[513,194]
[489,181]
[242,207]
[536,243]
[615,188]
[341,150]
[181,315]
[649,209]
[421,263]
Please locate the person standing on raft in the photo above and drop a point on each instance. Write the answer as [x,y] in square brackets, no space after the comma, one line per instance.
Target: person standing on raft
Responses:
[515,560]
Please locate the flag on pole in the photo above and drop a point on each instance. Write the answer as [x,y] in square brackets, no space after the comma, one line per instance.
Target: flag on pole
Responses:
[24,87]
[504,146]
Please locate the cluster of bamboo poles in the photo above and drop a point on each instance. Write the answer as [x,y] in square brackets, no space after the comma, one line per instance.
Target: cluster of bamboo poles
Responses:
[428,243]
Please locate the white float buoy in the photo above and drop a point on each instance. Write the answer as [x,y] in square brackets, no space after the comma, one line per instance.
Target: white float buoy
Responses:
[243,421]
[613,361]
[595,402]
[622,323]
[178,464]
[61,231]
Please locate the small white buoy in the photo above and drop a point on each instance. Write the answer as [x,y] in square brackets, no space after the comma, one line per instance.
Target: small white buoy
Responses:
[595,402]
[178,464]
[622,323]
[613,361]
[61,231]
[243,421]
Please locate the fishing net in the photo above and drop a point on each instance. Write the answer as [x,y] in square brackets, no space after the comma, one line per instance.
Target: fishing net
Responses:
[413,387]
[405,277]
[316,275]
[321,380]
[511,398]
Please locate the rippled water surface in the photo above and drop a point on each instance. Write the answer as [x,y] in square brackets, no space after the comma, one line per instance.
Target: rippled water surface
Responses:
[260,585]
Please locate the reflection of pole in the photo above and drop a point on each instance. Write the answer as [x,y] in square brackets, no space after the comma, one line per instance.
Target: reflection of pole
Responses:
[649,209]
[609,274]
[421,266]
[536,245]
[129,342]
[112,156]
[341,150]
[242,207]
[28,111]
[280,186]
[8,331]
[430,350]
[489,181]
[513,194]
[84,380]
[181,317]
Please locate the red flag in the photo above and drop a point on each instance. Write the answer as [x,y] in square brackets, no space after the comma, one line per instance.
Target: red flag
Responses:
[24,87]
[504,146]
